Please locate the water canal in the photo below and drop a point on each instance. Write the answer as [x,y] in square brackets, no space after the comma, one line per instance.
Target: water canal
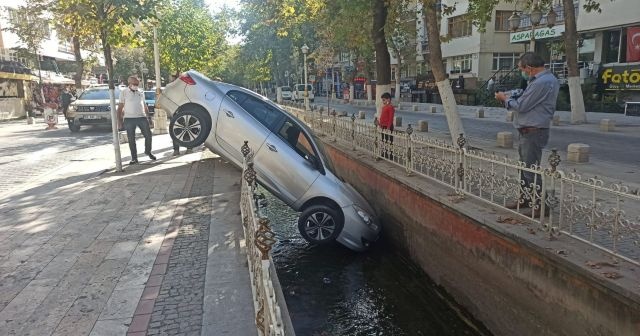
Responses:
[332,291]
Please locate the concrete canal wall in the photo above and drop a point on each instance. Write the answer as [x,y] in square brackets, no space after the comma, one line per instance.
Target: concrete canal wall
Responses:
[506,272]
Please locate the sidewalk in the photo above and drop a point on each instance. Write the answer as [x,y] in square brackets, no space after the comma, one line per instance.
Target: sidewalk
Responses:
[155,249]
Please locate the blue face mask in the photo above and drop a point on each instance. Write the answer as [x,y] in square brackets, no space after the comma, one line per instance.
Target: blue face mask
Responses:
[524,75]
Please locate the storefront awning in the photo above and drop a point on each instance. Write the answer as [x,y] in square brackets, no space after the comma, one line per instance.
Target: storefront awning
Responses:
[11,75]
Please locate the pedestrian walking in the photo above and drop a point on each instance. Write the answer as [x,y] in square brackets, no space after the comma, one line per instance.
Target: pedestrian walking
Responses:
[66,98]
[132,113]
[534,111]
[491,83]
[386,123]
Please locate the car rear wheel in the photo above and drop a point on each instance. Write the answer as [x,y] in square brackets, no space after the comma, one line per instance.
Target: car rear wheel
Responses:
[320,224]
[190,127]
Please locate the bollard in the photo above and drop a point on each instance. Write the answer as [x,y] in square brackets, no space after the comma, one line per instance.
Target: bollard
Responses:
[556,120]
[578,153]
[480,113]
[122,136]
[510,116]
[607,125]
[30,120]
[361,114]
[434,109]
[398,121]
[505,139]
[415,108]
[423,126]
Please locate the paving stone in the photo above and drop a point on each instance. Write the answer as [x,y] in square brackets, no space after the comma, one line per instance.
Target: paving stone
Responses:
[114,327]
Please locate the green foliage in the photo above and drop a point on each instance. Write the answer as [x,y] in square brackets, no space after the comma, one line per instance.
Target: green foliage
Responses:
[190,38]
[31,26]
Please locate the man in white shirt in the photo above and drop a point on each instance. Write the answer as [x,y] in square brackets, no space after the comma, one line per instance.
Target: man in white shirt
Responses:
[133,112]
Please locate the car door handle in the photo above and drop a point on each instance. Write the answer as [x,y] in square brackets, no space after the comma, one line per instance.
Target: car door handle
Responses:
[272,148]
[229,113]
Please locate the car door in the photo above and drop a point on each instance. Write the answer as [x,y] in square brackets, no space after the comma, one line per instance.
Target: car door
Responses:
[288,158]
[237,124]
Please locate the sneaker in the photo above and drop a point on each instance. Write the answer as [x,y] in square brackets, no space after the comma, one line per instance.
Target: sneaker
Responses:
[134,161]
[151,156]
[176,152]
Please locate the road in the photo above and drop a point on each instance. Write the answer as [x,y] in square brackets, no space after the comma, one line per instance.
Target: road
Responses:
[30,151]
[616,148]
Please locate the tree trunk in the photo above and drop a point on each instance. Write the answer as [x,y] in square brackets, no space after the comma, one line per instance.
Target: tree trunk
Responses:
[79,62]
[398,67]
[106,47]
[578,115]
[383,59]
[439,73]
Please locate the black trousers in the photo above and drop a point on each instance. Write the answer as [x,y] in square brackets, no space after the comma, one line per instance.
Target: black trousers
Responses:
[130,125]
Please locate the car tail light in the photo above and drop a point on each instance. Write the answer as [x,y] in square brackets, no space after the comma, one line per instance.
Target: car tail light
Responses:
[187,79]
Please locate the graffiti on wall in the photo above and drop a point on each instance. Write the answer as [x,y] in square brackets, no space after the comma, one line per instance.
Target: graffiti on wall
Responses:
[8,88]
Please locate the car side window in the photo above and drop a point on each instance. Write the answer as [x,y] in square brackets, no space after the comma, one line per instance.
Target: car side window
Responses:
[261,111]
[295,137]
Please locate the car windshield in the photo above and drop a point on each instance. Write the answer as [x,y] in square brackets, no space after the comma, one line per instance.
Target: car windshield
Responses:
[320,146]
[286,88]
[97,94]
[300,87]
[149,95]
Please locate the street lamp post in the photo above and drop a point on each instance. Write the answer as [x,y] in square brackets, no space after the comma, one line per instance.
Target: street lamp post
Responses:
[536,17]
[305,50]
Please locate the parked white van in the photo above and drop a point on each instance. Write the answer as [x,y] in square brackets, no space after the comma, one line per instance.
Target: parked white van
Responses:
[298,92]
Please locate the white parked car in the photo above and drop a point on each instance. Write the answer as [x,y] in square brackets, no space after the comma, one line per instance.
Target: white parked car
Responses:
[298,92]
[289,160]
[286,92]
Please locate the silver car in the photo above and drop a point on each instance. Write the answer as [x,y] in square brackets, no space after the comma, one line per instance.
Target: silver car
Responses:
[289,160]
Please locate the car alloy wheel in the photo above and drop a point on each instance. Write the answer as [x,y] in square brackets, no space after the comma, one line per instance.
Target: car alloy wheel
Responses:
[320,224]
[189,127]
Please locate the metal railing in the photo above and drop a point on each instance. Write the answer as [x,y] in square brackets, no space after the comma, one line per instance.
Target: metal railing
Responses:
[603,214]
[259,237]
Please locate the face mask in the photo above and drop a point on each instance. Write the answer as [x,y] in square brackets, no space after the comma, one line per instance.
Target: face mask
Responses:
[524,75]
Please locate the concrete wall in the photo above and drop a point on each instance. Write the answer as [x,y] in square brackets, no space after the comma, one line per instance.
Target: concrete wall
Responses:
[11,108]
[510,277]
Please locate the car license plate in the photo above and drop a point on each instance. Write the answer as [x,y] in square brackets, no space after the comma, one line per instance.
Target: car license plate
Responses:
[91,117]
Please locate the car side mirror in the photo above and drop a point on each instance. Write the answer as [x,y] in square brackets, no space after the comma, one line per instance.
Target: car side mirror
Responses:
[315,162]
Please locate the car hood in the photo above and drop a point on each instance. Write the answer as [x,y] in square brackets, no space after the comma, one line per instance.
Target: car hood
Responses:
[353,195]
[93,102]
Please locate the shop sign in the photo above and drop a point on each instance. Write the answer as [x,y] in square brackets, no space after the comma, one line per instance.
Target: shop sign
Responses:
[540,34]
[620,77]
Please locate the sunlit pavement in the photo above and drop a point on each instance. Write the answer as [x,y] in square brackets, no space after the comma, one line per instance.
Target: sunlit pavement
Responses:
[86,250]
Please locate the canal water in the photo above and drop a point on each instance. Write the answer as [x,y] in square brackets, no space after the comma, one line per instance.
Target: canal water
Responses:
[332,291]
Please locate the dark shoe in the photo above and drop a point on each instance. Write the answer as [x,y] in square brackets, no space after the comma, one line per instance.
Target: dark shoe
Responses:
[151,156]
[520,204]
[134,161]
[176,152]
[189,151]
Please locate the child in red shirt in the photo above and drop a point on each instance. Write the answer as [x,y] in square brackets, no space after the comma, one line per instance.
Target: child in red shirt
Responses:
[386,122]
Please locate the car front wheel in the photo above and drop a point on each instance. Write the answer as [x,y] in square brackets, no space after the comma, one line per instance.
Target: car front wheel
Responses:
[189,127]
[320,224]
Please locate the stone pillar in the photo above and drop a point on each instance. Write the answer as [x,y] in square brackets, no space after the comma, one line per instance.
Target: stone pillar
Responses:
[279,95]
[369,95]
[505,139]
[556,120]
[480,113]
[578,153]
[607,125]
[398,121]
[423,126]
[510,116]
[415,108]
[361,114]
[434,109]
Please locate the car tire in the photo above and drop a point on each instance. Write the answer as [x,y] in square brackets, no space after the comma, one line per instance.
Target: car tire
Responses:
[73,127]
[320,224]
[190,127]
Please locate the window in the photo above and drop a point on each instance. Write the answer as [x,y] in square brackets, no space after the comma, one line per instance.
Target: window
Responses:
[35,22]
[260,110]
[611,46]
[459,26]
[295,137]
[461,64]
[503,61]
[502,20]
